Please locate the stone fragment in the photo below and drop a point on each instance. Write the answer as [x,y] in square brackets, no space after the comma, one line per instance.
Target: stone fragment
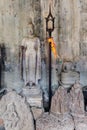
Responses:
[15,112]
[59,104]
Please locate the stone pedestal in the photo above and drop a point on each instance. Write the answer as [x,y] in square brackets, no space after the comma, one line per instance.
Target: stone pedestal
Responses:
[34,98]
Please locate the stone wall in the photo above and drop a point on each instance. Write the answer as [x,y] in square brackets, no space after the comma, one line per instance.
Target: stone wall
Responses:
[69,33]
[70,22]
[14,17]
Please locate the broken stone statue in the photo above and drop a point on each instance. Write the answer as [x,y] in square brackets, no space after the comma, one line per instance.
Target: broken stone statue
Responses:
[15,112]
[59,104]
[76,105]
[76,100]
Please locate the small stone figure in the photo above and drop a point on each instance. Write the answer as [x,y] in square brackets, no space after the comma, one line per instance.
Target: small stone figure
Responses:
[59,104]
[31,58]
[76,102]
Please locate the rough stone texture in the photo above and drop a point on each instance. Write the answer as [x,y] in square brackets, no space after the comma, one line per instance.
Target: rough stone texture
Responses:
[37,112]
[15,112]
[51,122]
[59,104]
[80,123]
[76,100]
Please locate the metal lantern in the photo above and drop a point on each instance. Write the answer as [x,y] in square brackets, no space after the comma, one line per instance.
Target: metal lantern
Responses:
[50,22]
[49,29]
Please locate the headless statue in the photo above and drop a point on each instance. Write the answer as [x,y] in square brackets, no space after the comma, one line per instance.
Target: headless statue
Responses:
[31,58]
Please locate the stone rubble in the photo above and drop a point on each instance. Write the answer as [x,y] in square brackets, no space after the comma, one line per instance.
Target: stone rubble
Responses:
[52,122]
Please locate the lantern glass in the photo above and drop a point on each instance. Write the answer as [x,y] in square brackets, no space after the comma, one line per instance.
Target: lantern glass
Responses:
[50,24]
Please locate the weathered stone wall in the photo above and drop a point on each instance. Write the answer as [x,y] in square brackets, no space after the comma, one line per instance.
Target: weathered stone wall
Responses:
[69,33]
[14,17]
[83,31]
[70,23]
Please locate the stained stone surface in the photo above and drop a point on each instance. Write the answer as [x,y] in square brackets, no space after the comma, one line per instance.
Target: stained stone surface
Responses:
[15,112]
[59,104]
[51,122]
[76,100]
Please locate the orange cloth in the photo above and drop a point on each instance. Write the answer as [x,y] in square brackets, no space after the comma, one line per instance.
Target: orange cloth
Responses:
[53,47]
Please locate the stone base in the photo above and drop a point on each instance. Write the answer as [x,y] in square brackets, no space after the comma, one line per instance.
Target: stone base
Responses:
[33,96]
[37,112]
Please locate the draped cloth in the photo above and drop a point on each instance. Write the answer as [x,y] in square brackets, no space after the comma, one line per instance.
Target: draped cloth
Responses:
[30,60]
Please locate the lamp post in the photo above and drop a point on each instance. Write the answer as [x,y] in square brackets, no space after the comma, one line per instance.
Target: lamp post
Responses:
[49,29]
